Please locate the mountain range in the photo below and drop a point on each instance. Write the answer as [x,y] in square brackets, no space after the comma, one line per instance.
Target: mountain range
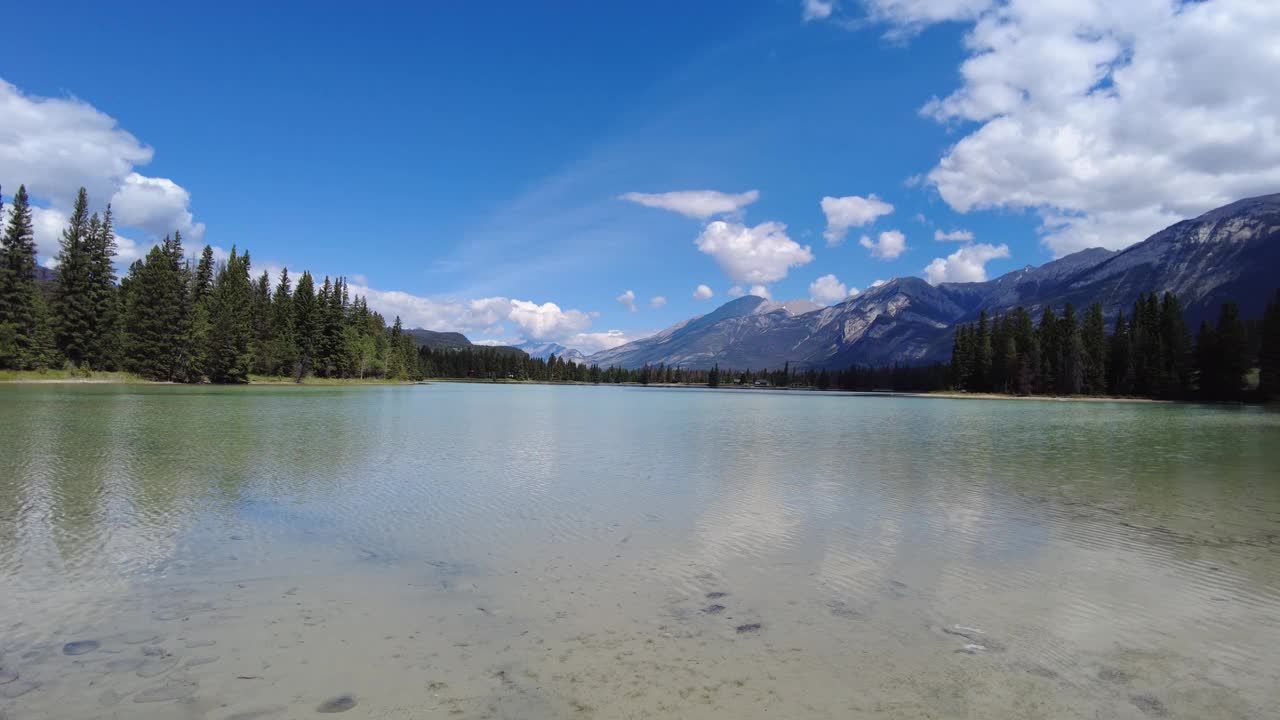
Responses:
[1228,254]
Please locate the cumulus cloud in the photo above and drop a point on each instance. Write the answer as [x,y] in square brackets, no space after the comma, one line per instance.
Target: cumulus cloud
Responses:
[545,321]
[890,245]
[968,264]
[627,300]
[818,9]
[760,291]
[594,342]
[158,206]
[759,255]
[1109,119]
[828,290]
[736,291]
[953,236]
[851,211]
[702,292]
[657,301]
[700,204]
[55,146]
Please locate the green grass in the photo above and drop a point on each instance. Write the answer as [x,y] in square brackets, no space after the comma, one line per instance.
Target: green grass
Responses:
[284,380]
[62,375]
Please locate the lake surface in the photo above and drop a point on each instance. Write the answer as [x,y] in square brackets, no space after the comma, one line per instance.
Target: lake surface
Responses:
[472,551]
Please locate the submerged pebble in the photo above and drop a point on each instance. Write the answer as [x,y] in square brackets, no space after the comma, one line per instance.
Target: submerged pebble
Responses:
[80,647]
[341,703]
[716,595]
[1150,705]
[198,661]
[713,609]
[748,628]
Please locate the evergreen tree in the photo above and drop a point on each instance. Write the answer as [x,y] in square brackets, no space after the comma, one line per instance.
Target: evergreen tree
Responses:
[1174,378]
[1120,381]
[199,312]
[1209,375]
[284,349]
[73,311]
[1093,338]
[103,349]
[18,291]
[1269,353]
[1232,350]
[261,321]
[306,322]
[229,354]
[1071,378]
[154,327]
[1050,352]
[983,355]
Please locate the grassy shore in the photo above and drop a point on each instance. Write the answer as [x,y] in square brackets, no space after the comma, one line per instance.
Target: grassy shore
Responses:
[35,377]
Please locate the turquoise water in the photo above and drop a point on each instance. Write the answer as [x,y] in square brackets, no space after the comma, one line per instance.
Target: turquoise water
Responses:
[461,550]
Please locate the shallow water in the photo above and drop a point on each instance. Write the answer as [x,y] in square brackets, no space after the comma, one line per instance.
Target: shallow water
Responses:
[481,551]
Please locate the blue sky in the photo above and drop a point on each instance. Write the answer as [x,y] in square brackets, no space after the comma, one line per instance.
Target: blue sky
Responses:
[465,162]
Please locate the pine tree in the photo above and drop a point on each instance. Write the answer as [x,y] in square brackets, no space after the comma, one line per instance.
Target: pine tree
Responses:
[1269,353]
[1232,352]
[73,311]
[1071,371]
[103,350]
[983,355]
[1208,374]
[262,325]
[1093,338]
[229,356]
[18,291]
[1175,349]
[155,330]
[199,312]
[1120,381]
[306,323]
[284,349]
[1050,352]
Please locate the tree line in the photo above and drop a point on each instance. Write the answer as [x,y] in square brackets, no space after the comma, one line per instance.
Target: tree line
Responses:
[178,318]
[194,319]
[1149,353]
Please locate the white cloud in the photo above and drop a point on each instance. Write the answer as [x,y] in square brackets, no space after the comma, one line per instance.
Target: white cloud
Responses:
[818,9]
[700,204]
[1110,119]
[890,245]
[953,236]
[968,264]
[828,290]
[55,146]
[909,16]
[736,291]
[546,321]
[760,291]
[627,300]
[851,211]
[760,254]
[594,342]
[157,206]
[702,292]
[657,301]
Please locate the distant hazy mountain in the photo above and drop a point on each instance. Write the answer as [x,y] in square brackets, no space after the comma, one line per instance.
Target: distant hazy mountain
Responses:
[1232,253]
[544,350]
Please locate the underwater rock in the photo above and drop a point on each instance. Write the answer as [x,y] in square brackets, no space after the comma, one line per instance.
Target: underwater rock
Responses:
[748,628]
[80,647]
[341,703]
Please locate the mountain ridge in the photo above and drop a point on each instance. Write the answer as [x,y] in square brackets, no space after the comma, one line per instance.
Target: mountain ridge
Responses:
[1229,253]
